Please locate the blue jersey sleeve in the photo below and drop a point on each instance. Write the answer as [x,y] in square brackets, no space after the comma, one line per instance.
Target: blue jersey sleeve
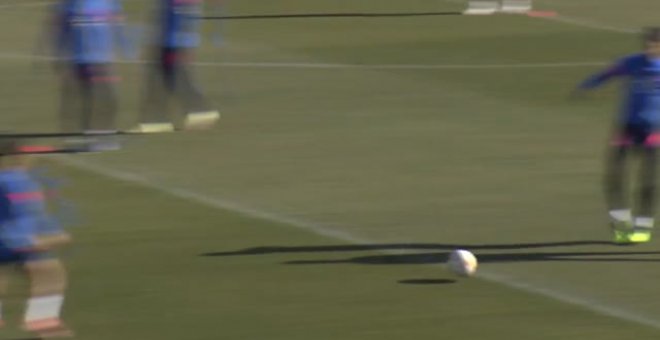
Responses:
[620,68]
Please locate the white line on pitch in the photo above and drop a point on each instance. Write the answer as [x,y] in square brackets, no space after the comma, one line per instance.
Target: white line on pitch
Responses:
[216,203]
[305,65]
[590,24]
[26,4]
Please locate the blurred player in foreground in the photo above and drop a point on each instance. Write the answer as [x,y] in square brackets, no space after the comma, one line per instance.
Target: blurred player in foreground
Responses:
[637,130]
[177,36]
[86,34]
[28,235]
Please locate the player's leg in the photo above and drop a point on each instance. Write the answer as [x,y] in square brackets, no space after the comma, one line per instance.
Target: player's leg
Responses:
[70,92]
[98,106]
[8,260]
[199,114]
[154,117]
[5,271]
[47,285]
[75,98]
[644,219]
[85,86]
[615,189]
[105,113]
[104,83]
[104,120]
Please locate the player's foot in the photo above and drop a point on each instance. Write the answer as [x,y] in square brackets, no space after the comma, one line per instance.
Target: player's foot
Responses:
[153,128]
[97,132]
[640,236]
[104,145]
[622,225]
[201,120]
[101,140]
[56,333]
[48,328]
[621,236]
[93,144]
[621,231]
[642,229]
[77,143]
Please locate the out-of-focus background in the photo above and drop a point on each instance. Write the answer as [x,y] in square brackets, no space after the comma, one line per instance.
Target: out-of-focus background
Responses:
[352,155]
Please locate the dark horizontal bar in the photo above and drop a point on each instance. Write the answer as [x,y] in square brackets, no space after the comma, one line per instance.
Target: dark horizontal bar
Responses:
[330,15]
[66,134]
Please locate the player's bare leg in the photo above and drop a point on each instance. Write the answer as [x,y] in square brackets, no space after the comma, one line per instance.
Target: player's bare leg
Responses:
[644,219]
[4,286]
[104,118]
[70,102]
[619,211]
[48,283]
[155,117]
[199,114]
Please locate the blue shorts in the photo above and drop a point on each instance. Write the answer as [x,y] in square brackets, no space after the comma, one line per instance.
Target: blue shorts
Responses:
[89,73]
[8,256]
[636,135]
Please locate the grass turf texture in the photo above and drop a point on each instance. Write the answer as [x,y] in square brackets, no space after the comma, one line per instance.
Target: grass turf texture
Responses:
[487,158]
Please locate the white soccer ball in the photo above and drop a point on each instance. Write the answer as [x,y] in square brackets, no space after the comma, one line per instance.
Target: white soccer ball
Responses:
[462,262]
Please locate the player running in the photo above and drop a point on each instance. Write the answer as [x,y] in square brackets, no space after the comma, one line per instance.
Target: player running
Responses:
[87,34]
[637,130]
[28,235]
[177,37]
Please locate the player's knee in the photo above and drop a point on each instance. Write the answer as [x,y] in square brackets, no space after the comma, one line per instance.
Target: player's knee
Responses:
[47,275]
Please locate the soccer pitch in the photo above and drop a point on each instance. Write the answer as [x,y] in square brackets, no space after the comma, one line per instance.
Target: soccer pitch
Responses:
[352,156]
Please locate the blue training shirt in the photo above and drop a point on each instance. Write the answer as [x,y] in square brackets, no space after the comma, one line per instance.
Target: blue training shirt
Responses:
[641,104]
[92,29]
[23,213]
[180,21]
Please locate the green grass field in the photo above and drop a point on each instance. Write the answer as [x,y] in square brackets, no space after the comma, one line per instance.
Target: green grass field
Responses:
[325,203]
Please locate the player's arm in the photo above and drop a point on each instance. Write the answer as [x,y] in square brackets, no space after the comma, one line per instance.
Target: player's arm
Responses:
[51,241]
[50,233]
[620,68]
[596,80]
[20,234]
[23,230]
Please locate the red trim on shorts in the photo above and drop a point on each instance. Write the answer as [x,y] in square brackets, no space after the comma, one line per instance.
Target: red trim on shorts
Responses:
[35,148]
[653,140]
[26,196]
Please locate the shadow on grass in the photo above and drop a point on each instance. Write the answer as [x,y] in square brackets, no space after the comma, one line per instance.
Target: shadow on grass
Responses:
[441,257]
[401,247]
[405,253]
[427,281]
[438,253]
